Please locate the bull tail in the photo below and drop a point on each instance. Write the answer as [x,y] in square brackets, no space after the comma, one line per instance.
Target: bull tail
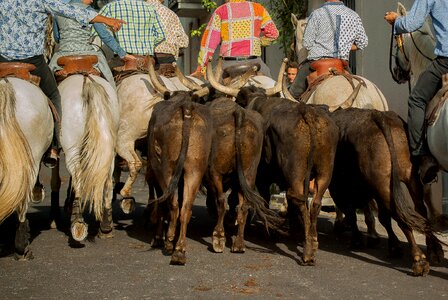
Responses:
[16,161]
[172,186]
[403,208]
[96,151]
[270,218]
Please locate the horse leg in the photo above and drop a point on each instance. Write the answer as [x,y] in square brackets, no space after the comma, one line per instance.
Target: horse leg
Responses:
[22,239]
[38,191]
[418,191]
[55,213]
[134,163]
[116,176]
[78,226]
[106,224]
[191,187]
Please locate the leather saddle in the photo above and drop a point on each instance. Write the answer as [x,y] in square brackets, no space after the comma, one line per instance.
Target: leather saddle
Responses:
[19,70]
[76,64]
[237,70]
[140,64]
[327,66]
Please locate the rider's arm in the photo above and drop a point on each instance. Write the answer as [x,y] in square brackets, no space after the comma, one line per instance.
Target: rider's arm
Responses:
[309,35]
[415,18]
[361,40]
[270,31]
[108,39]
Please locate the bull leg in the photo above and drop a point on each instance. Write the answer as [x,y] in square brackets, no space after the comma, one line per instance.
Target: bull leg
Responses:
[420,267]
[106,228]
[191,187]
[373,238]
[22,240]
[55,213]
[218,237]
[238,245]
[351,219]
[418,191]
[174,215]
[393,241]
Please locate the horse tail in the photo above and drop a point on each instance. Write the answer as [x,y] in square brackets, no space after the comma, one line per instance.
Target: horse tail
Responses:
[403,209]
[172,186]
[16,161]
[97,148]
[270,218]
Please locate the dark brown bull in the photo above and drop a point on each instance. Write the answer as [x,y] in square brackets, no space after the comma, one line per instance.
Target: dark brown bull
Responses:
[179,143]
[236,151]
[300,145]
[372,159]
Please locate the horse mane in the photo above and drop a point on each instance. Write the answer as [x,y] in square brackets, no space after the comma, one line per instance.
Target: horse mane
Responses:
[16,161]
[93,176]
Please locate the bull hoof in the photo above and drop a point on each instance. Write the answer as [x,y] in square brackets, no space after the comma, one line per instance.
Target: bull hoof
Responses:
[218,241]
[436,254]
[27,255]
[106,235]
[53,224]
[157,243]
[169,247]
[178,258]
[238,246]
[79,231]
[128,205]
[308,261]
[340,227]
[373,242]
[395,252]
[420,268]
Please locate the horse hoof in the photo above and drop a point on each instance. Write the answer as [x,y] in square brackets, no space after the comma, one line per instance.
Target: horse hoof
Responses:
[178,258]
[106,235]
[27,255]
[53,224]
[420,268]
[38,195]
[308,261]
[79,231]
[218,242]
[238,246]
[169,247]
[127,205]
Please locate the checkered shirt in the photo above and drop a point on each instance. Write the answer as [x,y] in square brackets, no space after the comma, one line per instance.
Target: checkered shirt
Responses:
[241,26]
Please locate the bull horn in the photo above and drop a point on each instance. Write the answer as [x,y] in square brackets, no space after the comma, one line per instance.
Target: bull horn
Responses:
[202,92]
[218,70]
[279,85]
[184,80]
[243,79]
[155,80]
[218,86]
[285,90]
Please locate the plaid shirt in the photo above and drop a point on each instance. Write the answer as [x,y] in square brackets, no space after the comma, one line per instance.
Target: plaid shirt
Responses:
[143,29]
[174,32]
[238,25]
[23,24]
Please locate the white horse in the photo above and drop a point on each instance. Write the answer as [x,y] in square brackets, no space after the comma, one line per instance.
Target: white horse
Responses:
[89,126]
[335,90]
[26,131]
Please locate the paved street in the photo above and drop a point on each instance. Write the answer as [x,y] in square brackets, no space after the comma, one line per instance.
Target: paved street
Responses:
[125,267]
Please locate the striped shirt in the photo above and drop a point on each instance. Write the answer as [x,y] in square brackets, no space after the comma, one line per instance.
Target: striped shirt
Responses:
[415,18]
[332,30]
[175,36]
[239,26]
[143,29]
[23,25]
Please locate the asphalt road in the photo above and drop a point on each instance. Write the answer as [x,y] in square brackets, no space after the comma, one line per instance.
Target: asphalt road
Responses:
[126,267]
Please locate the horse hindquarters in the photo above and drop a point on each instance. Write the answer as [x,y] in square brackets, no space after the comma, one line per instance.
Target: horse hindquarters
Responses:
[436,137]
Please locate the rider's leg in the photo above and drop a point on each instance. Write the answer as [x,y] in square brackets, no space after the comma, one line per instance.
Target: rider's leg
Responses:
[426,87]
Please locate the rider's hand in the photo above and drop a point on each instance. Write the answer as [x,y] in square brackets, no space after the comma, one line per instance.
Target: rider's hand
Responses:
[114,24]
[198,73]
[129,57]
[390,17]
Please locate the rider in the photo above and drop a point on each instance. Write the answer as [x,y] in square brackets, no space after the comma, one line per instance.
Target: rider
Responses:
[243,27]
[75,39]
[332,31]
[291,72]
[167,51]
[429,81]
[143,29]
[24,42]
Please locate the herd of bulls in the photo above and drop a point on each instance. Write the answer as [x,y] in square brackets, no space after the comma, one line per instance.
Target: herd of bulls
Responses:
[245,138]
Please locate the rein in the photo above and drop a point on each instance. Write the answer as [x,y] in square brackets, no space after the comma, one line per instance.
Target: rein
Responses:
[392,38]
[418,49]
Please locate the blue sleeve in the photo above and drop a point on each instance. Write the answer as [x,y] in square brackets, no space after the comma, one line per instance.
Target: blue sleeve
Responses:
[415,18]
[108,39]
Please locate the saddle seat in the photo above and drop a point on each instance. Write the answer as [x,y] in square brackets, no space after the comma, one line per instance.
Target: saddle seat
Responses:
[19,70]
[76,64]
[327,66]
[141,63]
[237,70]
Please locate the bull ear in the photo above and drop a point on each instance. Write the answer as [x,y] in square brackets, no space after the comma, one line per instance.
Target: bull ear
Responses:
[401,10]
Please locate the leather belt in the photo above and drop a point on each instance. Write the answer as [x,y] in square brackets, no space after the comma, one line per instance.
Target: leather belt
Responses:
[238,58]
